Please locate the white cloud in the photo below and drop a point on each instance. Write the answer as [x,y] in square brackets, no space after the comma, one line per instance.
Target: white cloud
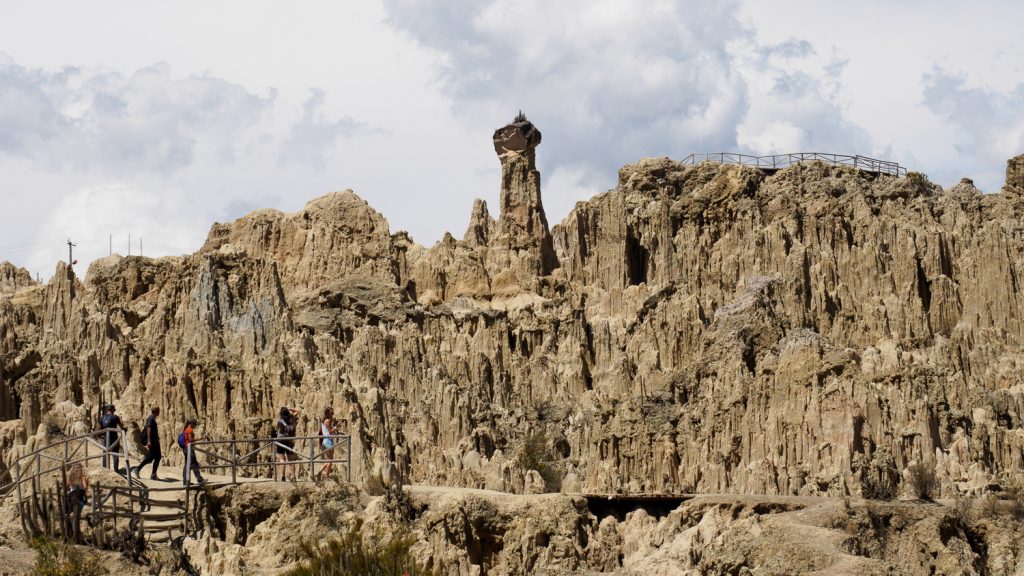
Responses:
[772,138]
[96,217]
[609,82]
[988,126]
[311,138]
[885,53]
[146,154]
[144,122]
[269,105]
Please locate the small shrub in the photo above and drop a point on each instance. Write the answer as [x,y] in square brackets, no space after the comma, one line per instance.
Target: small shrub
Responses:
[990,506]
[54,558]
[918,180]
[881,487]
[353,555]
[534,455]
[374,486]
[923,480]
[963,510]
[879,476]
[53,424]
[399,505]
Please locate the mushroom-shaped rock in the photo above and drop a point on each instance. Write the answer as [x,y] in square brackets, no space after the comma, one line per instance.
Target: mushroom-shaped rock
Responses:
[521,136]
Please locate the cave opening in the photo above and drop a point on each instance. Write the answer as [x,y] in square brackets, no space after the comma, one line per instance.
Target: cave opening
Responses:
[618,506]
[636,260]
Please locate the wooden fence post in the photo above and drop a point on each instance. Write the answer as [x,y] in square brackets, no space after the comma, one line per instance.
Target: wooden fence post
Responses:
[186,481]
[17,485]
[234,460]
[312,458]
[97,526]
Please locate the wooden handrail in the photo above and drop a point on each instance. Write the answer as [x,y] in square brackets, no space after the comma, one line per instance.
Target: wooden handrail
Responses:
[38,504]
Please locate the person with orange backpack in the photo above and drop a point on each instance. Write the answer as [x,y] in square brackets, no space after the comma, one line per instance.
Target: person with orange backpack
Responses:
[185,439]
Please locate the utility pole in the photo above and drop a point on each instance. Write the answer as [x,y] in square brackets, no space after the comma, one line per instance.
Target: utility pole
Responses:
[140,245]
[70,246]
[129,243]
[110,245]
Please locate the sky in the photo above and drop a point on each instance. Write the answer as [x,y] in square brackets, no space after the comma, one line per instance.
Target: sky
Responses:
[152,120]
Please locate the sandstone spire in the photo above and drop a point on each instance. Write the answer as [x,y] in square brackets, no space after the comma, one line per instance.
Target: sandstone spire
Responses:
[1015,173]
[522,224]
[481,225]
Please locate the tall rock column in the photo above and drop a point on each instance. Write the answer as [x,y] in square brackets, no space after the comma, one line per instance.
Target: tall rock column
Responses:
[522,247]
[1015,173]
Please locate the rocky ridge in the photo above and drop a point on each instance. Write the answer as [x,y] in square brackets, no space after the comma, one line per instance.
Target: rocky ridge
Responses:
[710,328]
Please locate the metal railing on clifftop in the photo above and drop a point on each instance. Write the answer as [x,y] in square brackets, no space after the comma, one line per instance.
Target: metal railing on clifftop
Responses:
[779,161]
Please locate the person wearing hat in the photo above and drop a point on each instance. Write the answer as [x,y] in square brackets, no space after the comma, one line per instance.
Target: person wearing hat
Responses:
[185,439]
[111,424]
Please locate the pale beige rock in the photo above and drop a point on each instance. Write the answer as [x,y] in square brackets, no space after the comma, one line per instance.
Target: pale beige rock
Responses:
[713,329]
[13,279]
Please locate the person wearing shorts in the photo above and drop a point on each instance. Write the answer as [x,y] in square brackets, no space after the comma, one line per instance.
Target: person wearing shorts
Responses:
[328,428]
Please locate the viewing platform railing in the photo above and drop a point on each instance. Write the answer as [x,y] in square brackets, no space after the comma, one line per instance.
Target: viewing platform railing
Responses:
[779,161]
[40,482]
[267,456]
[260,455]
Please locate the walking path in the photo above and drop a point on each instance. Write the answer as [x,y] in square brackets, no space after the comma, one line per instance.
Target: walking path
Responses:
[127,511]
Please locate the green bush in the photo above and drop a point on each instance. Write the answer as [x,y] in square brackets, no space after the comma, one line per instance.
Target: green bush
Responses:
[918,180]
[534,455]
[398,503]
[351,555]
[55,558]
[923,480]
[879,476]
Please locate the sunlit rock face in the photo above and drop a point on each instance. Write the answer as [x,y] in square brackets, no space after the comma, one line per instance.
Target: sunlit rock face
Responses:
[1015,174]
[705,328]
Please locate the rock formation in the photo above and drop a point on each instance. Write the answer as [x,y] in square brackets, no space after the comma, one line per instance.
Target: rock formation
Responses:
[709,328]
[480,532]
[1015,174]
[12,278]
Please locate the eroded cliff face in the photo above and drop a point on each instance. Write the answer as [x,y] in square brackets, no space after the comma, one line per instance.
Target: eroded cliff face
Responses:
[707,328]
[477,532]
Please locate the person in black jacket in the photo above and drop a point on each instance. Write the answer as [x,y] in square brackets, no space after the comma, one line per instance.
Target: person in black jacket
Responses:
[285,443]
[112,425]
[151,438]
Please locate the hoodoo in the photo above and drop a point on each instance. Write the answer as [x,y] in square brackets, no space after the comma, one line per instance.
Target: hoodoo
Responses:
[522,226]
[775,340]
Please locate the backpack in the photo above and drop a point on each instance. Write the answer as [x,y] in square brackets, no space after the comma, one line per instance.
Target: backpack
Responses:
[107,421]
[285,428]
[181,439]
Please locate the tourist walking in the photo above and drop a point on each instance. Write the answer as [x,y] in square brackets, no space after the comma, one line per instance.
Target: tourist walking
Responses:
[328,429]
[185,439]
[77,488]
[76,491]
[285,443]
[112,425]
[151,438]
